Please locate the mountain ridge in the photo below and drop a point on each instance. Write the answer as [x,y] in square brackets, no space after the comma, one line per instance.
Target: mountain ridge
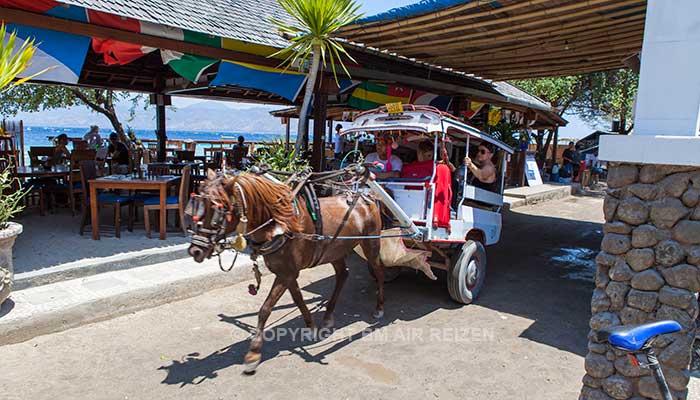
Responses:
[204,116]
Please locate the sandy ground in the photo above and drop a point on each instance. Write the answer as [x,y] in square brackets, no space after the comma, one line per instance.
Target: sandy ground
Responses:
[525,338]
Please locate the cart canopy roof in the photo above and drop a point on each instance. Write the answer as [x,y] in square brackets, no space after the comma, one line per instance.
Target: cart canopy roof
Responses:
[420,119]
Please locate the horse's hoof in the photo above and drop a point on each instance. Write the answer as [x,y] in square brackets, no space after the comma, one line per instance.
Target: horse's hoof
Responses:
[249,368]
[328,323]
[378,314]
[251,362]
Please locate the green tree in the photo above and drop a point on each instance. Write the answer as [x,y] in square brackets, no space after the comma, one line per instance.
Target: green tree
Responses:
[610,95]
[311,36]
[563,93]
[34,97]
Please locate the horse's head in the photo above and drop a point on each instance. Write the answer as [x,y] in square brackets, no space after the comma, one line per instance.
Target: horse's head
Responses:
[213,211]
[240,203]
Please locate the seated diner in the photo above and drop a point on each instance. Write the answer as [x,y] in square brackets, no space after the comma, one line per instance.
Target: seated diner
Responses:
[61,154]
[119,153]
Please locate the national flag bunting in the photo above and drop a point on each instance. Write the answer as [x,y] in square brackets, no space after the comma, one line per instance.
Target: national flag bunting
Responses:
[371,95]
[473,109]
[286,83]
[495,115]
[64,53]
[429,99]
[188,66]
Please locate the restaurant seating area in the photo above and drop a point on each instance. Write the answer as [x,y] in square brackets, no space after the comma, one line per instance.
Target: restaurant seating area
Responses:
[111,198]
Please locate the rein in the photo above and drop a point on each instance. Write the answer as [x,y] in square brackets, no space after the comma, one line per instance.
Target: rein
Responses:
[222,216]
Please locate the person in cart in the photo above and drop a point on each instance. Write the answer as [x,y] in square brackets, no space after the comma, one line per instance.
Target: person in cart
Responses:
[392,164]
[484,174]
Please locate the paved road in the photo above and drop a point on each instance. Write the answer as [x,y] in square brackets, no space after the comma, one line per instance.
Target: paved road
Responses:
[524,339]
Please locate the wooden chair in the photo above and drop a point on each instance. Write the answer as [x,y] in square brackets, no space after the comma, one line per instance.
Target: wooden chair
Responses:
[88,172]
[75,184]
[39,151]
[158,169]
[184,155]
[173,203]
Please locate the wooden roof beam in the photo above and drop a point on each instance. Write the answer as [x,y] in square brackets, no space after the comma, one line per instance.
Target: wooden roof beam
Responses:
[383,25]
[541,17]
[547,72]
[437,22]
[558,56]
[572,41]
[522,29]
[486,45]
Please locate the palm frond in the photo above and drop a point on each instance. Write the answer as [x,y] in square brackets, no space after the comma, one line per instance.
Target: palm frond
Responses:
[316,22]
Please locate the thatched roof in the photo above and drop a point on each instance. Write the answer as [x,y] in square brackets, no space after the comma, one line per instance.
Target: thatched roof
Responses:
[510,39]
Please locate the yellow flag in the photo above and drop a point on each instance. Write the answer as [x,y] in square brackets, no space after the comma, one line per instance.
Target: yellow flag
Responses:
[495,114]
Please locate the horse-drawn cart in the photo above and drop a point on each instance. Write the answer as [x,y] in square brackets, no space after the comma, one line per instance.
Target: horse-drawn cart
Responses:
[453,230]
[437,221]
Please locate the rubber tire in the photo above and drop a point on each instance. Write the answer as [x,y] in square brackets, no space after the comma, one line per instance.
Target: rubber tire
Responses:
[390,273]
[457,275]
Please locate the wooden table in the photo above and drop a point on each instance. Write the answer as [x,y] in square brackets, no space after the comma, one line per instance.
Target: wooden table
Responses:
[127,182]
[40,172]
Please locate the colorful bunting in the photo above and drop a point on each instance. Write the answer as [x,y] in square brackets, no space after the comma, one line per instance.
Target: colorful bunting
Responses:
[371,95]
[188,66]
[473,109]
[429,99]
[286,83]
[495,115]
[64,53]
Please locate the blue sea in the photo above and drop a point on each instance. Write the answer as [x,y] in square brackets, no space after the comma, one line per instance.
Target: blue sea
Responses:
[38,136]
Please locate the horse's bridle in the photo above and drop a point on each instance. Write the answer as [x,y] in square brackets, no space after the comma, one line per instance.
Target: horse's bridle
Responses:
[222,215]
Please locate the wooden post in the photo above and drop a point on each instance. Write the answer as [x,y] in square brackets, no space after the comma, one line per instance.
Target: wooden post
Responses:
[160,101]
[286,141]
[320,108]
[555,145]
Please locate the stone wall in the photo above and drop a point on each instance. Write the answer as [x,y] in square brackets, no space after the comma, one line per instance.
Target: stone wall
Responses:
[647,270]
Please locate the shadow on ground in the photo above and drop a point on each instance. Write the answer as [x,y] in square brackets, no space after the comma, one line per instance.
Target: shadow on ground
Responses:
[541,270]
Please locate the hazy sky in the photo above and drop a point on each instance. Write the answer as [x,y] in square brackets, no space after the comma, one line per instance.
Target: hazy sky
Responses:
[576,128]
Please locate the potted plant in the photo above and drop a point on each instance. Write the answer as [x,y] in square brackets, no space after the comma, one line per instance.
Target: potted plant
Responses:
[14,59]
[11,203]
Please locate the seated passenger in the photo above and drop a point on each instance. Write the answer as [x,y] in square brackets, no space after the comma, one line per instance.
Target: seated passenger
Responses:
[484,175]
[423,166]
[392,165]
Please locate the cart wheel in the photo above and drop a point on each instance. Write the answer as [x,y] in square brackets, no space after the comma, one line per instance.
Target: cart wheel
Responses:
[467,273]
[390,273]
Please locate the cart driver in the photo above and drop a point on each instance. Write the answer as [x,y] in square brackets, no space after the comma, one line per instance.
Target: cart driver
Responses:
[392,165]
[484,175]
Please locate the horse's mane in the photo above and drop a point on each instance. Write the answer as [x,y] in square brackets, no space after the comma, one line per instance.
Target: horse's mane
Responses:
[265,200]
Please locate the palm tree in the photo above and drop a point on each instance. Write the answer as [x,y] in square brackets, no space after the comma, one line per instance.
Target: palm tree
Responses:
[14,61]
[312,36]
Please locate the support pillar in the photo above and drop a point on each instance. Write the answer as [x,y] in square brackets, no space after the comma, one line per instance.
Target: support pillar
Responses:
[649,265]
[160,101]
[320,114]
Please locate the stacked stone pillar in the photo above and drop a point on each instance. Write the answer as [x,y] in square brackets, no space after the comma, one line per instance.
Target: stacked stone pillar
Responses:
[647,270]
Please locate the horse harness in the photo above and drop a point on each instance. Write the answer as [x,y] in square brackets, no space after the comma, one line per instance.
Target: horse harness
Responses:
[223,215]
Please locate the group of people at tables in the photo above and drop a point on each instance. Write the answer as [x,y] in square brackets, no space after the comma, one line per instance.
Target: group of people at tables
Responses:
[116,149]
[483,170]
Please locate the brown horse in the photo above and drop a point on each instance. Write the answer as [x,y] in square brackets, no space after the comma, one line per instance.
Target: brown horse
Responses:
[281,225]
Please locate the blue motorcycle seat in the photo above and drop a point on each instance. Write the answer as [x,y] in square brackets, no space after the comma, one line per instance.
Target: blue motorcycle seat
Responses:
[633,337]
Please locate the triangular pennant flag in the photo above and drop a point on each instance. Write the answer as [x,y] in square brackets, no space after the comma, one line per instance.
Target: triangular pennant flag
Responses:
[473,109]
[188,66]
[495,115]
